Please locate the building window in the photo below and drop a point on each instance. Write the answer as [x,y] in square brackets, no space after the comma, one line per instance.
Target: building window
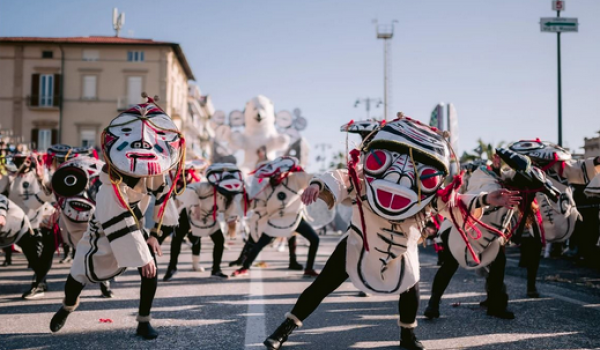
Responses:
[44,139]
[89,87]
[135,56]
[47,54]
[134,90]
[91,55]
[46,90]
[88,138]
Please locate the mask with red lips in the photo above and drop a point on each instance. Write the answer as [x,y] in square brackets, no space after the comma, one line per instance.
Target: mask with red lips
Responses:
[277,167]
[75,184]
[394,179]
[226,177]
[142,141]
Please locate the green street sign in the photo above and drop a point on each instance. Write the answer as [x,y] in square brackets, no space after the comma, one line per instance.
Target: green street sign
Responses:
[559,24]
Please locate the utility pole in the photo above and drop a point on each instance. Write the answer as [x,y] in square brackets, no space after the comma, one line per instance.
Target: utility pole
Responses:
[558,25]
[386,32]
[367,101]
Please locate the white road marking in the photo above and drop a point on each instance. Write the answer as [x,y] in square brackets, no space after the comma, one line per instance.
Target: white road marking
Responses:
[255,320]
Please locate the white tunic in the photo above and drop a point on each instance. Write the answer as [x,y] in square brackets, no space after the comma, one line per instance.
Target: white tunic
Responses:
[114,240]
[199,202]
[391,266]
[26,192]
[277,211]
[17,223]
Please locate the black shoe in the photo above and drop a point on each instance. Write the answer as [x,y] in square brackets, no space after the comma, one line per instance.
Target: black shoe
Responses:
[501,313]
[408,340]
[170,273]
[484,303]
[7,262]
[219,274]
[237,262]
[59,319]
[36,291]
[281,334]
[106,291]
[294,265]
[363,294]
[146,331]
[432,311]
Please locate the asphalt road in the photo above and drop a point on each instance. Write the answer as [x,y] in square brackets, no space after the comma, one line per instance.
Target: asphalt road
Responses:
[194,311]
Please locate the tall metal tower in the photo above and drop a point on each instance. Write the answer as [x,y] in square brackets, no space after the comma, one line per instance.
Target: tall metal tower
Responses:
[386,32]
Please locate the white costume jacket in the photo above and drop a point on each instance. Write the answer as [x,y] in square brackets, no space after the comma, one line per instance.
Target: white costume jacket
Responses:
[277,211]
[199,202]
[391,266]
[17,223]
[115,240]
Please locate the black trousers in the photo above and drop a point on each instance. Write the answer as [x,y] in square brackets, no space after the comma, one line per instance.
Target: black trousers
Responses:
[333,275]
[39,251]
[303,229]
[147,290]
[531,250]
[178,235]
[219,246]
[495,289]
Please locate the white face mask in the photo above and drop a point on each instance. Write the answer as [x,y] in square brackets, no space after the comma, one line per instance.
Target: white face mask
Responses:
[392,183]
[275,167]
[142,146]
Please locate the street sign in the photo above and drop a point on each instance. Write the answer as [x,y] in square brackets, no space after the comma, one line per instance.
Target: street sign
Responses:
[558,5]
[559,24]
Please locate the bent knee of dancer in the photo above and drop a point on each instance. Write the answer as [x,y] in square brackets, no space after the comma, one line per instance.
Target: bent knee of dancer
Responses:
[292,317]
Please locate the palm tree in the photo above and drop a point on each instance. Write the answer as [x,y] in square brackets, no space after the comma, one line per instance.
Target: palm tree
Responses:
[482,149]
[338,161]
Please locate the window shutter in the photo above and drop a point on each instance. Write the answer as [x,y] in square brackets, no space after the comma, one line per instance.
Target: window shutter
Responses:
[54,136]
[35,90]
[56,92]
[34,138]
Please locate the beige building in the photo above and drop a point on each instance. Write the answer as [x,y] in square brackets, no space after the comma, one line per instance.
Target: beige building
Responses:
[592,146]
[66,90]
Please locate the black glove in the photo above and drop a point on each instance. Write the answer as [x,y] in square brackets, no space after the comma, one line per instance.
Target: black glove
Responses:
[527,176]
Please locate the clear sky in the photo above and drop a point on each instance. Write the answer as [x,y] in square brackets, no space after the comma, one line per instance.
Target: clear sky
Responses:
[487,57]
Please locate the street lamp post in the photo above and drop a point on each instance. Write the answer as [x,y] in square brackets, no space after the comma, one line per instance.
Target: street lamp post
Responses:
[367,101]
[386,32]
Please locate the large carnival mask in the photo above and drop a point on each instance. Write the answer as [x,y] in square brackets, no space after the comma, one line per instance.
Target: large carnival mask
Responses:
[259,111]
[76,183]
[403,166]
[361,127]
[541,152]
[276,167]
[59,154]
[226,177]
[142,141]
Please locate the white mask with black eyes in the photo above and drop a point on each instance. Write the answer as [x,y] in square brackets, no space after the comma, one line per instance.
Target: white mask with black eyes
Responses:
[226,177]
[142,146]
[392,183]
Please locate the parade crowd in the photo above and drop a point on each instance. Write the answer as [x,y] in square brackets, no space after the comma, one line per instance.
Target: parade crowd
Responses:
[93,208]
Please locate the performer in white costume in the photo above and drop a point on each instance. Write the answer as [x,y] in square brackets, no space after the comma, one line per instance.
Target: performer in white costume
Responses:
[194,172]
[403,167]
[277,211]
[26,188]
[204,201]
[558,166]
[140,147]
[75,184]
